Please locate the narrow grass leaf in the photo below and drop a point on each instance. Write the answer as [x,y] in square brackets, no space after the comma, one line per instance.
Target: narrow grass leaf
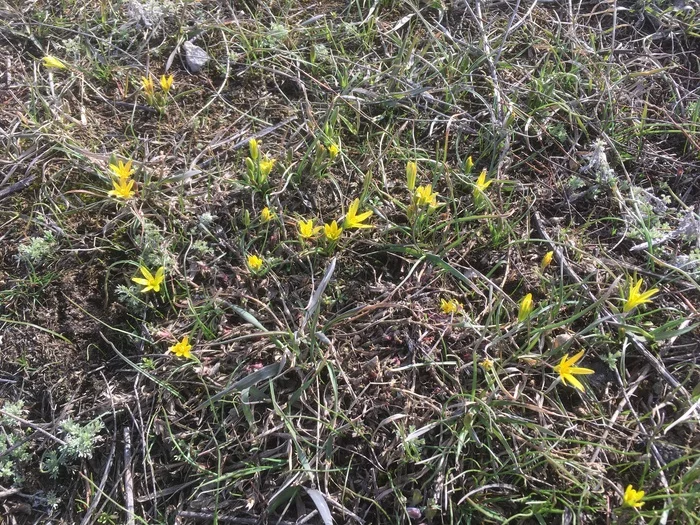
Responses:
[320,502]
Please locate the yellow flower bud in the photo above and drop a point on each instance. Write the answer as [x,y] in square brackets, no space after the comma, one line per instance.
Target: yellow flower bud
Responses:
[546,260]
[255,263]
[266,215]
[333,151]
[469,165]
[266,166]
[53,62]
[254,149]
[525,308]
[411,172]
[166,83]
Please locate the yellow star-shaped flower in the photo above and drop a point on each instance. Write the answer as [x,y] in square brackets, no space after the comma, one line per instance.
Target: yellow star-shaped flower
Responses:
[266,215]
[121,170]
[450,307]
[150,281]
[636,298]
[123,189]
[486,363]
[307,230]
[567,371]
[182,348]
[266,166]
[148,86]
[255,263]
[633,498]
[332,231]
[166,82]
[333,151]
[353,220]
[425,196]
[481,183]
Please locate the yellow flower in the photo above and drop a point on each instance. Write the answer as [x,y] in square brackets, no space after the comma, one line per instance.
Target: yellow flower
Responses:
[481,183]
[148,86]
[486,363]
[182,348]
[166,82]
[567,370]
[450,307]
[122,189]
[266,215]
[255,263]
[411,173]
[633,498]
[353,220]
[546,260]
[254,148]
[121,170]
[307,230]
[266,165]
[332,231]
[635,297]
[469,164]
[53,62]
[151,282]
[425,196]
[333,150]
[525,307]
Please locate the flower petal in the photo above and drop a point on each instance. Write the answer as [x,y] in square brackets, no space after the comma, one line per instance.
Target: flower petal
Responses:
[574,359]
[363,216]
[645,297]
[581,371]
[562,363]
[574,382]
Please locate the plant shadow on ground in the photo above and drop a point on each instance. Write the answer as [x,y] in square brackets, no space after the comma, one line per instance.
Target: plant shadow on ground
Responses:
[391,372]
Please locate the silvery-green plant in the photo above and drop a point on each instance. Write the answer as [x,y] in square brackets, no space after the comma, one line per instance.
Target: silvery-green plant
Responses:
[598,164]
[14,450]
[38,250]
[127,295]
[80,440]
[148,13]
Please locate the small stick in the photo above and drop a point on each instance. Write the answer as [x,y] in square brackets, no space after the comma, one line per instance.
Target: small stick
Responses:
[128,479]
[6,493]
[32,425]
[17,186]
[209,516]
[87,518]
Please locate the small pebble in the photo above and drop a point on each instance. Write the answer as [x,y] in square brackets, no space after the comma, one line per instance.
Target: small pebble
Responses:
[195,57]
